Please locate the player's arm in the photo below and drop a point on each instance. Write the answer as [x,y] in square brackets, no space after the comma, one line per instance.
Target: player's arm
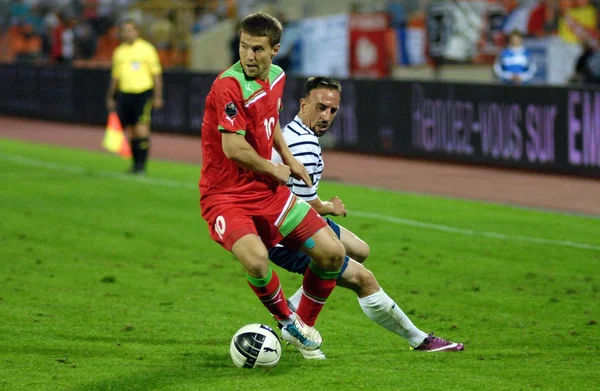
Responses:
[241,152]
[156,70]
[297,169]
[157,100]
[333,207]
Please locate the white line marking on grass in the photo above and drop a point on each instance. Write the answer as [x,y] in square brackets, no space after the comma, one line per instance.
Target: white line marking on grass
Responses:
[374,216]
[479,201]
[104,174]
[470,232]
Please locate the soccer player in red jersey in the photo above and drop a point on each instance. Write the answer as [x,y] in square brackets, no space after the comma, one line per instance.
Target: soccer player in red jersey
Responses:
[243,196]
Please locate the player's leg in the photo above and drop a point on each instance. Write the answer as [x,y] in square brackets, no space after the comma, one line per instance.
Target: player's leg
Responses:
[140,143]
[353,245]
[295,262]
[356,248]
[377,305]
[373,300]
[303,228]
[252,254]
[127,116]
[236,231]
[327,255]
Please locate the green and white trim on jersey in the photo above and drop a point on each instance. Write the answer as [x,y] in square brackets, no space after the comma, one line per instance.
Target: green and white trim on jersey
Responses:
[291,216]
[242,132]
[251,90]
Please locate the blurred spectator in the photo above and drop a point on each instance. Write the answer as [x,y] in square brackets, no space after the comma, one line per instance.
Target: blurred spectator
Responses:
[56,40]
[19,10]
[161,31]
[577,26]
[85,40]
[465,32]
[245,7]
[234,43]
[515,65]
[551,12]
[51,20]
[27,44]
[289,36]
[587,69]
[68,42]
[205,20]
[184,21]
[106,45]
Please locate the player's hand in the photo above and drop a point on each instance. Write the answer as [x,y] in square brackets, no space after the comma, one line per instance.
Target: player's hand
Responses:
[111,105]
[339,209]
[299,172]
[282,173]
[158,102]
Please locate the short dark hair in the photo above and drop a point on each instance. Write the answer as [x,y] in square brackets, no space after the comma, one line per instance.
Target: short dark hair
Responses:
[321,82]
[515,33]
[262,25]
[130,21]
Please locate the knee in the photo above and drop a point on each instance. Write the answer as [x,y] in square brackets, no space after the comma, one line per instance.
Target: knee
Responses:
[366,282]
[256,263]
[362,252]
[359,279]
[334,257]
[366,278]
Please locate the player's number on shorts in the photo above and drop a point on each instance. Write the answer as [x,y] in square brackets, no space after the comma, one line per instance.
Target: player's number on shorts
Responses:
[220,226]
[269,124]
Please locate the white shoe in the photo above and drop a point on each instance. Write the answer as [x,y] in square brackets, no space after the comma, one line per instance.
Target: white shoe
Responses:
[301,335]
[312,354]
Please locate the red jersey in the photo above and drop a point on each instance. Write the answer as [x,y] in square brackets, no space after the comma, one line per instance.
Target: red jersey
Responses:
[249,107]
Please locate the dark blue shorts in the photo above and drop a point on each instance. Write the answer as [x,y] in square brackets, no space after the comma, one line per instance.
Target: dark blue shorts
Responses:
[297,261]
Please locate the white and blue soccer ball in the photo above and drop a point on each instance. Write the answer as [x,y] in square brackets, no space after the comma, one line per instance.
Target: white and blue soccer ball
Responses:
[255,346]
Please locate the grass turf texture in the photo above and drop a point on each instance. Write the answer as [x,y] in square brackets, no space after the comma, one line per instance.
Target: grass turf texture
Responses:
[108,282]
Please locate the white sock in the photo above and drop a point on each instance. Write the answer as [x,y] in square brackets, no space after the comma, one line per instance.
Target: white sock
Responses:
[290,320]
[381,309]
[295,299]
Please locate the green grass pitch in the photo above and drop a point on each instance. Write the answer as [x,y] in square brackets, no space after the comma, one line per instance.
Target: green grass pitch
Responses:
[109,282]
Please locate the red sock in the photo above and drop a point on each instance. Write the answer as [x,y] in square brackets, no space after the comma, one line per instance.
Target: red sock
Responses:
[269,292]
[317,286]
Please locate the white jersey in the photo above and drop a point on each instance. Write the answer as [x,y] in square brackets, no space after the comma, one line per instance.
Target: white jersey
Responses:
[305,146]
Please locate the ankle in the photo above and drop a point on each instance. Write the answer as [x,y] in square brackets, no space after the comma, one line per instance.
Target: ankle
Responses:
[289,320]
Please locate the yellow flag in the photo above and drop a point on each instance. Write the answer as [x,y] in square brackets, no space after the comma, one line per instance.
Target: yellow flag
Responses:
[114,138]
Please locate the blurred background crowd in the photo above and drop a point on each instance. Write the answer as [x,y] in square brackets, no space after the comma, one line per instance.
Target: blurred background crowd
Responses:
[402,39]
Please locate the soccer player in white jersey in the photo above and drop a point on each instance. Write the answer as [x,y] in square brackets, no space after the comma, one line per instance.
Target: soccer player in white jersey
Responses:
[318,108]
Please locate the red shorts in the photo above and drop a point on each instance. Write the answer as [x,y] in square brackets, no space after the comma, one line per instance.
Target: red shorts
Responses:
[282,217]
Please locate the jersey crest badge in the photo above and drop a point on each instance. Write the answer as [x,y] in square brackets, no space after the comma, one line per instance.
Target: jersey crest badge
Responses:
[230,110]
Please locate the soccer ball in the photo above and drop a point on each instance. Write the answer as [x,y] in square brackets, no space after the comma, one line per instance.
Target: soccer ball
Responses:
[255,346]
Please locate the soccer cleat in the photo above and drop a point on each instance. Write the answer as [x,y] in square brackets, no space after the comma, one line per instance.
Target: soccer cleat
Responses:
[301,335]
[435,344]
[307,354]
[316,354]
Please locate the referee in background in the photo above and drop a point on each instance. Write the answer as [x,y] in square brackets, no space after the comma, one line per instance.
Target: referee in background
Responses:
[137,76]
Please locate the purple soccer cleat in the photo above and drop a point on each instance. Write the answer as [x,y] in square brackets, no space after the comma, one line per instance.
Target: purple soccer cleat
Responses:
[435,344]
